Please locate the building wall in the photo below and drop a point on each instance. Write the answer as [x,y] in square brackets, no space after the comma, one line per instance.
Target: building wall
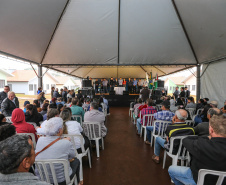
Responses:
[3,81]
[191,84]
[47,84]
[19,87]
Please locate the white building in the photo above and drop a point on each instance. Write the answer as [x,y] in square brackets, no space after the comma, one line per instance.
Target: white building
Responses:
[3,78]
[69,82]
[190,82]
[26,82]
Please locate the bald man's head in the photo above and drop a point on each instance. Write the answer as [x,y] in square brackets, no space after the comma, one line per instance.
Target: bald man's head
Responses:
[181,114]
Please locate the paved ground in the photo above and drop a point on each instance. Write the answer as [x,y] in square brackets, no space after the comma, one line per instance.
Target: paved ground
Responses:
[126,159]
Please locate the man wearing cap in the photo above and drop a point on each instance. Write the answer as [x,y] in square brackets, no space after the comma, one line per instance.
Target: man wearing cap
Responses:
[214,104]
[164,115]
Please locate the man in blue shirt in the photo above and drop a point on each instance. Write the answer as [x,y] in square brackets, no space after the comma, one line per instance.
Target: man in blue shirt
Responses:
[164,115]
[134,85]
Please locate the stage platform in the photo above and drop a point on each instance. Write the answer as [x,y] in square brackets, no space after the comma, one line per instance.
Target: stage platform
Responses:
[119,100]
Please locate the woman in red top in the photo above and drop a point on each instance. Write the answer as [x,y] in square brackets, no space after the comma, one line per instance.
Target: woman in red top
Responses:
[18,119]
[124,82]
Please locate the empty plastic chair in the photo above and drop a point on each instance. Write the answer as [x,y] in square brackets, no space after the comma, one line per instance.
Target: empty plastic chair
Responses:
[147,121]
[8,119]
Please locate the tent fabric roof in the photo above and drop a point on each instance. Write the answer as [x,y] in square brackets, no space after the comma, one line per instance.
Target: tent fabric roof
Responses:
[73,36]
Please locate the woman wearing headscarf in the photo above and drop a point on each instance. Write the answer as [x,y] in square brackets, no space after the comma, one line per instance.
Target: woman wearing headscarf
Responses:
[61,149]
[18,119]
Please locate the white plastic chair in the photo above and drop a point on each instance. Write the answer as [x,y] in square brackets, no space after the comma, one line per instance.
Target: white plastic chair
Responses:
[85,109]
[189,122]
[77,118]
[162,126]
[8,119]
[32,137]
[131,109]
[81,155]
[199,111]
[180,155]
[159,106]
[147,121]
[33,123]
[191,111]
[204,172]
[90,129]
[43,165]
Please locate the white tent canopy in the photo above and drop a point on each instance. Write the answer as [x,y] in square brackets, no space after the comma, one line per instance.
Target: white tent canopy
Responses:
[104,38]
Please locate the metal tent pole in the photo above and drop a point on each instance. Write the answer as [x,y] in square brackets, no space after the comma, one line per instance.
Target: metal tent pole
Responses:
[39,75]
[198,83]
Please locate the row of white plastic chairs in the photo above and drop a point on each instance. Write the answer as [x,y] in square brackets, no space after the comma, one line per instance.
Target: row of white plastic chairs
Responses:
[182,153]
[91,134]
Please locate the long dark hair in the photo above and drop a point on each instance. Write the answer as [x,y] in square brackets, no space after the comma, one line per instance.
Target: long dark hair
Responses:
[32,109]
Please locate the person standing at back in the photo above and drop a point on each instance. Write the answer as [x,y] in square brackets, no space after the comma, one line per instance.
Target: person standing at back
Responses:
[64,94]
[182,93]
[3,94]
[176,93]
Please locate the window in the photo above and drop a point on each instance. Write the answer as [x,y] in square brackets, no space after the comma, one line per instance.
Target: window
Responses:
[2,83]
[174,88]
[188,87]
[170,88]
[47,86]
[53,85]
[193,87]
[31,87]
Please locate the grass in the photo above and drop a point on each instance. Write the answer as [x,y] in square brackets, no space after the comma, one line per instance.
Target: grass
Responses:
[22,98]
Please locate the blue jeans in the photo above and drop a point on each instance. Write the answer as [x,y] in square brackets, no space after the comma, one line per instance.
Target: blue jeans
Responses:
[181,175]
[159,143]
[138,125]
[149,129]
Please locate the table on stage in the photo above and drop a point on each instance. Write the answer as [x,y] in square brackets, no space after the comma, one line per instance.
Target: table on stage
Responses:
[119,90]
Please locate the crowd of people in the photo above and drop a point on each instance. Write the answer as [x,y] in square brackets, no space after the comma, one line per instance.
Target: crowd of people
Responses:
[205,139]
[131,85]
[52,119]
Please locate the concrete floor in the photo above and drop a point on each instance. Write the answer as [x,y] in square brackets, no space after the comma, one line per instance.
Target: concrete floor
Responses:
[126,159]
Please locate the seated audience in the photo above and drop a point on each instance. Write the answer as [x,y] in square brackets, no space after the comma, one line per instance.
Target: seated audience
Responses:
[164,115]
[202,129]
[206,153]
[37,104]
[2,119]
[9,104]
[203,116]
[73,128]
[94,115]
[214,104]
[60,107]
[172,104]
[191,103]
[145,93]
[44,109]
[25,104]
[86,104]
[51,106]
[200,105]
[18,119]
[62,149]
[32,115]
[14,170]
[136,107]
[148,110]
[205,101]
[95,100]
[51,113]
[53,100]
[179,102]
[7,130]
[177,128]
[77,110]
[60,101]
[68,104]
[41,97]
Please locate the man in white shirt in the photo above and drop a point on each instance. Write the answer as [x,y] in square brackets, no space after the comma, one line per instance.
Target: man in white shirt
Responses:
[120,82]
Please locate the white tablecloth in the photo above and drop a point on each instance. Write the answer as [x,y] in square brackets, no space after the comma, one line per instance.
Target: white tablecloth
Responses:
[119,90]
